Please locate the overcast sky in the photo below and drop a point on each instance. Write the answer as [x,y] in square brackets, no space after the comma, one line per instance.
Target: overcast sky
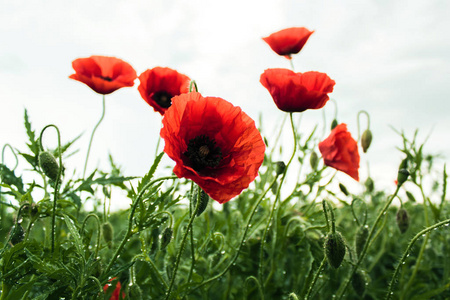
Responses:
[390,58]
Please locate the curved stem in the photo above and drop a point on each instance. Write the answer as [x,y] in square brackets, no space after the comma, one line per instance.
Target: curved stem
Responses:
[258,285]
[316,276]
[3,163]
[92,136]
[183,242]
[408,250]
[261,252]
[354,214]
[129,232]
[98,230]
[363,252]
[368,121]
[58,179]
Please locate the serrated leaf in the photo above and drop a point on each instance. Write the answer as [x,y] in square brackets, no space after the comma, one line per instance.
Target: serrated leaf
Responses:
[75,234]
[146,179]
[9,177]
[34,145]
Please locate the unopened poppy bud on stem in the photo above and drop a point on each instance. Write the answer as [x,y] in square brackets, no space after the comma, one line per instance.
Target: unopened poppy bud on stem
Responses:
[360,239]
[366,139]
[108,233]
[166,237]
[203,204]
[334,123]
[334,249]
[280,167]
[343,189]
[402,176]
[48,164]
[314,160]
[402,220]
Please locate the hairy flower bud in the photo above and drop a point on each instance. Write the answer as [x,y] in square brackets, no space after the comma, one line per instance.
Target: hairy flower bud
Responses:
[334,123]
[314,160]
[108,233]
[402,220]
[359,282]
[135,292]
[360,239]
[48,164]
[203,204]
[334,249]
[17,234]
[280,167]
[369,185]
[366,139]
[343,189]
[402,176]
[410,196]
[166,237]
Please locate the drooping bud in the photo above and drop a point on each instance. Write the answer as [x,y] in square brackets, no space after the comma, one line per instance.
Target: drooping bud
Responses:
[410,196]
[334,123]
[166,237]
[135,292]
[369,184]
[334,249]
[366,139]
[108,233]
[48,164]
[359,283]
[360,239]
[203,204]
[402,220]
[343,189]
[402,176]
[314,160]
[280,167]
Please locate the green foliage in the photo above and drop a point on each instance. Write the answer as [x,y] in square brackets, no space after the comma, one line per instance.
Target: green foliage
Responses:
[139,247]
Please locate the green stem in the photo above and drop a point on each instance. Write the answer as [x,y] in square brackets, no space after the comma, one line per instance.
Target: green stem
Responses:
[191,270]
[129,232]
[408,250]
[97,247]
[363,252]
[422,248]
[316,276]
[258,285]
[263,240]
[58,180]
[92,136]
[244,236]
[368,121]
[183,242]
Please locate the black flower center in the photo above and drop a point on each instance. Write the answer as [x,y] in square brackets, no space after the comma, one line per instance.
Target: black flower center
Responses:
[106,78]
[203,152]
[163,99]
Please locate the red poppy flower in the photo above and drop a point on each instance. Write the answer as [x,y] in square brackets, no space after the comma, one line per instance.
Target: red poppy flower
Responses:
[103,74]
[159,85]
[288,41]
[297,92]
[340,151]
[213,143]
[116,293]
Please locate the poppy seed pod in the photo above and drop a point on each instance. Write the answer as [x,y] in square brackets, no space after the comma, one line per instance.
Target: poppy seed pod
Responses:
[48,164]
[334,249]
[360,239]
[166,237]
[366,139]
[402,220]
[314,160]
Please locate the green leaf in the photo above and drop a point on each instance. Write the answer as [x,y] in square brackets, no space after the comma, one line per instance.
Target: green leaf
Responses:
[34,142]
[146,179]
[9,177]
[75,234]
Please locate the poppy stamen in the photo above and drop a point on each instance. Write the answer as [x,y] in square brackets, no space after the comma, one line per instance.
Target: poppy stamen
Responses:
[106,78]
[203,152]
[163,99]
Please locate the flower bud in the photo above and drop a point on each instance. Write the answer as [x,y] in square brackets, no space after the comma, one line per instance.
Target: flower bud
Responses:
[402,220]
[203,204]
[402,176]
[366,139]
[334,249]
[166,237]
[360,239]
[359,282]
[410,196]
[369,185]
[280,167]
[17,234]
[314,160]
[334,124]
[135,292]
[108,233]
[343,189]
[48,164]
